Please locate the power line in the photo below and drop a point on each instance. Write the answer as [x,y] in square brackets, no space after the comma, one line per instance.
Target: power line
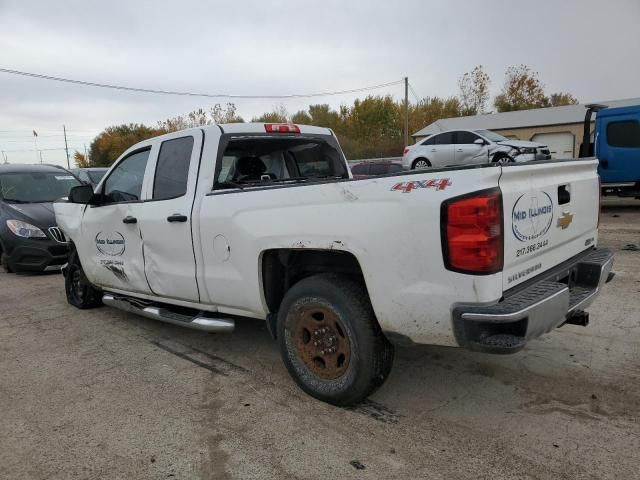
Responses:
[414,93]
[41,149]
[191,94]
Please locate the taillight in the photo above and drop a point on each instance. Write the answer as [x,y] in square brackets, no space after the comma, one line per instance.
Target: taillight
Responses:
[472,236]
[281,128]
[406,149]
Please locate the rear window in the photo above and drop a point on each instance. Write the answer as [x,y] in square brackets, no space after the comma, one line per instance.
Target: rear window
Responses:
[267,160]
[625,134]
[36,187]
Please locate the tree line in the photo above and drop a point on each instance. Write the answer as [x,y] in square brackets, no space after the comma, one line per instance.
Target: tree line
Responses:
[368,128]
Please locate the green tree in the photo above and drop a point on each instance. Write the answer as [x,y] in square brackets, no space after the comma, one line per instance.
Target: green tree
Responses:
[277,115]
[80,160]
[301,117]
[199,117]
[561,99]
[522,90]
[474,91]
[113,141]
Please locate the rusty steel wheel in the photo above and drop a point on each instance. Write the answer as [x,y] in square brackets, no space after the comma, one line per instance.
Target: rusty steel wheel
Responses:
[321,342]
[330,340]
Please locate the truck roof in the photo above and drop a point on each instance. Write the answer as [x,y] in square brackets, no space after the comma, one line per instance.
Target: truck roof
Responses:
[607,112]
[260,128]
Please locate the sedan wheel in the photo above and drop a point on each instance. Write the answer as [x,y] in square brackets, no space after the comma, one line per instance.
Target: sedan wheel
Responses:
[420,164]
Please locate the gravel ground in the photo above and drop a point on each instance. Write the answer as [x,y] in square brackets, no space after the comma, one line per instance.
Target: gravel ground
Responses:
[104,394]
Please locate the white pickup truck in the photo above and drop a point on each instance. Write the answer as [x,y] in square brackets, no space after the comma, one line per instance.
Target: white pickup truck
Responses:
[206,226]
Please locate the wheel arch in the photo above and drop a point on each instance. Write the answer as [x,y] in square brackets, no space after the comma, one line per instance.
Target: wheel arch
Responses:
[281,268]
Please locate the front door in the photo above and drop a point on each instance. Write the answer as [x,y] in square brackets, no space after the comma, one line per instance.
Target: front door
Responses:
[165,221]
[466,151]
[111,244]
[618,148]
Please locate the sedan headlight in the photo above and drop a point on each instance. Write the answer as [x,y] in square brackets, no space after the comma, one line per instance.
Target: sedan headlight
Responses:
[523,150]
[24,229]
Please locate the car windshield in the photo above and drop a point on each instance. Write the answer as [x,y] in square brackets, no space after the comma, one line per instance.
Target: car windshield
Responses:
[492,136]
[96,175]
[36,187]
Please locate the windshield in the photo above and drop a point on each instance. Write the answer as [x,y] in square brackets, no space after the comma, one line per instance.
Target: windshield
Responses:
[492,136]
[36,187]
[96,175]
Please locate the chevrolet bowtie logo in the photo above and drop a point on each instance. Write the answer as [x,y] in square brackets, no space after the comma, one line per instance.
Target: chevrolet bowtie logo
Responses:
[565,220]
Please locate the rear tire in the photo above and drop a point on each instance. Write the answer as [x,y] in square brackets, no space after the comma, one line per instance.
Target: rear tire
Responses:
[421,163]
[330,340]
[4,261]
[80,292]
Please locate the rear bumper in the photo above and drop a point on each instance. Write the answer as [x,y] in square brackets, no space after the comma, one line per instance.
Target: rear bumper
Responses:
[546,302]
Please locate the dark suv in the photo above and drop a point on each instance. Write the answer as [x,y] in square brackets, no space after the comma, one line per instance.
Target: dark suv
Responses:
[30,241]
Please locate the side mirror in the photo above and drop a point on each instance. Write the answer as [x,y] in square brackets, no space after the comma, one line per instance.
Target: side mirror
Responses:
[81,194]
[479,141]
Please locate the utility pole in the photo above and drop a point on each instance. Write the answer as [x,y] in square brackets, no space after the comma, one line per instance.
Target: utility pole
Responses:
[406,111]
[66,147]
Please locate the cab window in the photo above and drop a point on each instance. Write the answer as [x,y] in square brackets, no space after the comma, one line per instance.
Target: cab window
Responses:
[124,184]
[444,138]
[172,169]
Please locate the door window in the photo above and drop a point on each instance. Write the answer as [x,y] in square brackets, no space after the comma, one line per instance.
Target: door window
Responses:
[429,141]
[124,184]
[361,169]
[379,169]
[444,138]
[625,134]
[172,169]
[466,138]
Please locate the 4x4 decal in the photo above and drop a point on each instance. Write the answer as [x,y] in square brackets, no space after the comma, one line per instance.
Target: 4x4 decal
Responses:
[436,183]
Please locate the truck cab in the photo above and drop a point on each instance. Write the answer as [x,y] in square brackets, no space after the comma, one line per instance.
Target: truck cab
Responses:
[616,145]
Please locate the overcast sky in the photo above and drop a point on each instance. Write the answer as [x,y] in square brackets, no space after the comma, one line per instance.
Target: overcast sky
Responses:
[589,48]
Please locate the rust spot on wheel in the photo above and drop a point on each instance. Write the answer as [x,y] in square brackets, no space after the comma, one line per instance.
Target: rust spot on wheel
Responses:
[320,340]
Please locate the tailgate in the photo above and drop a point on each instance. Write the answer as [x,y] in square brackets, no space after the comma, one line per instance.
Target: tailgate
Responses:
[550,215]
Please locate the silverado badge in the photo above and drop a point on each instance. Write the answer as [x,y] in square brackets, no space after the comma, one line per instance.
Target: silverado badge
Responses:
[565,220]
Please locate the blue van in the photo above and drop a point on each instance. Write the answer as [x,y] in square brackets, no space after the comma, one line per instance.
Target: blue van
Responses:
[617,147]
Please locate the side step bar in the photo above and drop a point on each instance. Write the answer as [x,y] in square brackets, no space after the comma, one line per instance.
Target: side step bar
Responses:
[198,322]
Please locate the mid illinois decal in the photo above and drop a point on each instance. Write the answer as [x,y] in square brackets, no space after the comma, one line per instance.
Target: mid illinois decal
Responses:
[435,183]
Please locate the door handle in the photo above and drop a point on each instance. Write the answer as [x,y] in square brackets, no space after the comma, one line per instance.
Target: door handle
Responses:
[459,150]
[176,217]
[434,150]
[129,219]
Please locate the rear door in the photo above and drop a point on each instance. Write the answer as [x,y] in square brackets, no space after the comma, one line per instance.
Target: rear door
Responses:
[466,151]
[166,221]
[550,215]
[618,147]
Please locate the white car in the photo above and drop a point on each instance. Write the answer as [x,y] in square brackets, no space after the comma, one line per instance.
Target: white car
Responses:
[206,226]
[463,147]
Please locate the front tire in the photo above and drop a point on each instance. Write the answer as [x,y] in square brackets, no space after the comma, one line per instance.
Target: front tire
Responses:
[330,340]
[80,292]
[421,163]
[502,158]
